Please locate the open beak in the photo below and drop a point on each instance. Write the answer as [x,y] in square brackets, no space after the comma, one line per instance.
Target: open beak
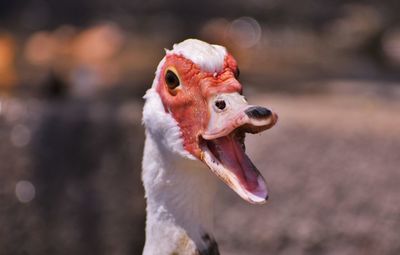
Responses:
[223,148]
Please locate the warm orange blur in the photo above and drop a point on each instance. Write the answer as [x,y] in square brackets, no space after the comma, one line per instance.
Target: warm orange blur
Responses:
[8,73]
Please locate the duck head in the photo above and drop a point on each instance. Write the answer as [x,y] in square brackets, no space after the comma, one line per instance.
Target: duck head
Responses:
[196,109]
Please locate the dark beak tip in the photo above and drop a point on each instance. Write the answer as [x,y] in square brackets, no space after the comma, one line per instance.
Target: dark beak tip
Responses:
[258,112]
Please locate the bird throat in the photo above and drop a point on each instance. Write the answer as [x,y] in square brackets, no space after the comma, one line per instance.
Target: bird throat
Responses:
[180,196]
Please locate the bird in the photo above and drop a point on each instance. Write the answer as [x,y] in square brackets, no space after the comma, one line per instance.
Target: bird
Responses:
[196,119]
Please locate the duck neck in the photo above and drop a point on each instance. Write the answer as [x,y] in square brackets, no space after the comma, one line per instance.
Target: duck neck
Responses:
[179,195]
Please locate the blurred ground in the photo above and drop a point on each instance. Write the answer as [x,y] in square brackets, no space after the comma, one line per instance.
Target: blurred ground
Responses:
[70,177]
[332,165]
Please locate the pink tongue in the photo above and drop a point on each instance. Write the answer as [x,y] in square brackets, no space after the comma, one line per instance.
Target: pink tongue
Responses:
[231,154]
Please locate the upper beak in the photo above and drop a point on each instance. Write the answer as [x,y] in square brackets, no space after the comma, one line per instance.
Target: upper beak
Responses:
[223,144]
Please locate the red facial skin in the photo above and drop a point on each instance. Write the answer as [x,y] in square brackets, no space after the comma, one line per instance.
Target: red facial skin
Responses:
[188,103]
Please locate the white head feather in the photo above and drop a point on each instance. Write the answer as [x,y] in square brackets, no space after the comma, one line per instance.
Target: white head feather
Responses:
[209,57]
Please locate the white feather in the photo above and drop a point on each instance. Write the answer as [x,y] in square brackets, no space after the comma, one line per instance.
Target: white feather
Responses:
[209,57]
[180,194]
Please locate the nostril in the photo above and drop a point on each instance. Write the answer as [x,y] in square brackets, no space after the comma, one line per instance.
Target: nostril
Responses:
[220,104]
[258,112]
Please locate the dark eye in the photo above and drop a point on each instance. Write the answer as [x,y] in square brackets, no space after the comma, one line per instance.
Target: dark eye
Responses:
[171,79]
[237,73]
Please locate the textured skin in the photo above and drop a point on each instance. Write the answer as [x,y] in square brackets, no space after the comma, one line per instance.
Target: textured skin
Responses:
[188,103]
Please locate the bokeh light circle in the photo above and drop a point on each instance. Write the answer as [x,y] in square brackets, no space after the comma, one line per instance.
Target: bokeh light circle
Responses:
[25,191]
[245,32]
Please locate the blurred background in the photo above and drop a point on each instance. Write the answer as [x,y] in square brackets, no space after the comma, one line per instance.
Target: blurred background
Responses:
[72,76]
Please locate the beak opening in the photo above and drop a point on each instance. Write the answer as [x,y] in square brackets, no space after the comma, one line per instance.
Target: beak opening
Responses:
[223,151]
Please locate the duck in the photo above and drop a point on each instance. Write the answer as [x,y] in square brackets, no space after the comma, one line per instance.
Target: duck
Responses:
[196,119]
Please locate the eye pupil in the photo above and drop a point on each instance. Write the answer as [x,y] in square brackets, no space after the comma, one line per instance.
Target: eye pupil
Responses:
[220,104]
[171,79]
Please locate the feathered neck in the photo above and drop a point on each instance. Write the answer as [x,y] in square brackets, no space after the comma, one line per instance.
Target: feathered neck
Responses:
[179,193]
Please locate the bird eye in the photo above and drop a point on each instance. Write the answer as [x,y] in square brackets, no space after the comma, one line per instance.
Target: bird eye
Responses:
[237,73]
[171,79]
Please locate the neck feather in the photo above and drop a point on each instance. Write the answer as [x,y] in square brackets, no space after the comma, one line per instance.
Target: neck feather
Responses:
[179,193]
